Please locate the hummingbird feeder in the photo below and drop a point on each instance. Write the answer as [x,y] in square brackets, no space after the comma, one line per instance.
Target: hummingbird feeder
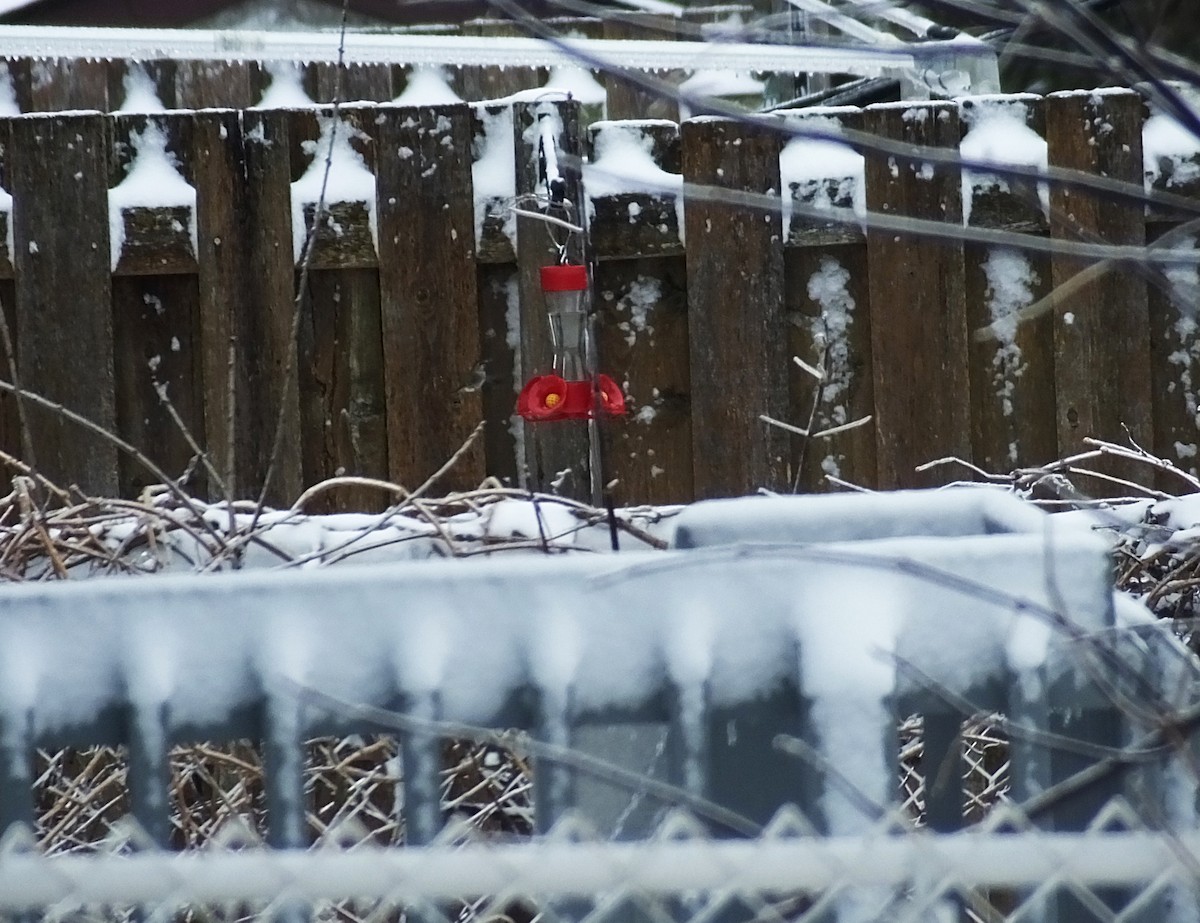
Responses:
[570,391]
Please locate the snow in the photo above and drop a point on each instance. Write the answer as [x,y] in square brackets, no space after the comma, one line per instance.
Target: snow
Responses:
[349,179]
[1010,285]
[638,302]
[807,165]
[152,180]
[580,84]
[828,288]
[493,171]
[8,93]
[286,90]
[721,83]
[998,135]
[141,95]
[1170,152]
[427,86]
[622,163]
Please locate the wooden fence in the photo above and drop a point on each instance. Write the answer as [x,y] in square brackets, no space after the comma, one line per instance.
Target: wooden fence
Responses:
[411,331]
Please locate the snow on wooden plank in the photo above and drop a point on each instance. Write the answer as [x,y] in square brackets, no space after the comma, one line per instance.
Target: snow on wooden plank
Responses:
[1012,373]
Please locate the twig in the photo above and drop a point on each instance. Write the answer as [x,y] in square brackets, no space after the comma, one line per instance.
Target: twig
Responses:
[138,456]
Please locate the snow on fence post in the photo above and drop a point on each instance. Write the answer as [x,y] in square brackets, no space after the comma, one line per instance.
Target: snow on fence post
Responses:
[57,166]
[1012,372]
[737,338]
[1101,330]
[917,304]
[1172,164]
[556,454]
[341,379]
[428,292]
[633,192]
[155,300]
[827,301]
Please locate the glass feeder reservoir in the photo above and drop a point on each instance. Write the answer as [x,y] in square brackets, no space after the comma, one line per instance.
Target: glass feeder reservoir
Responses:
[565,290]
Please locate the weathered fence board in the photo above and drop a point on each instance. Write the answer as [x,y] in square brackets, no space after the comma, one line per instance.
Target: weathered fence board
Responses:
[918,327]
[829,323]
[736,320]
[1101,330]
[428,294]
[1012,372]
[223,272]
[57,166]
[267,397]
[643,344]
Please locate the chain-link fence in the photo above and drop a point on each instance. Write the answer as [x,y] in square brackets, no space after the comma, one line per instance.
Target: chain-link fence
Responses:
[354,791]
[1115,870]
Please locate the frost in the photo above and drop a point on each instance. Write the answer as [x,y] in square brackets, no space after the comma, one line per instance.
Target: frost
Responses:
[349,180]
[493,172]
[286,91]
[638,302]
[1010,281]
[141,95]
[8,93]
[998,134]
[427,86]
[719,83]
[151,181]
[622,163]
[580,84]
[828,288]
[1170,152]
[822,174]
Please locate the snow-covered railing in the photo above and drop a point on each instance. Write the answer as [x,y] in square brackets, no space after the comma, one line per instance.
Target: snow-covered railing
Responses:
[840,640]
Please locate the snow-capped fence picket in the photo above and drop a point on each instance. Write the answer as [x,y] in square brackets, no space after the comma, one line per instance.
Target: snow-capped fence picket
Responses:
[422,311]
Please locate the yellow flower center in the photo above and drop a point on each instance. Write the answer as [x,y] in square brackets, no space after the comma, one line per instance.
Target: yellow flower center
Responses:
[553,400]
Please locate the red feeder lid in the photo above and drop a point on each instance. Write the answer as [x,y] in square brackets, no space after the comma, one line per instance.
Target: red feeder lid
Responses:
[568,277]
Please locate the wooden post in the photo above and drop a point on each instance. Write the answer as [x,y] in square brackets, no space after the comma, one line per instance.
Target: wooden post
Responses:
[215,84]
[223,266]
[62,84]
[737,339]
[268,394]
[358,82]
[428,294]
[1012,372]
[1174,305]
[57,167]
[556,454]
[1101,330]
[642,326]
[341,381]
[918,311]
[828,307]
[155,312]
